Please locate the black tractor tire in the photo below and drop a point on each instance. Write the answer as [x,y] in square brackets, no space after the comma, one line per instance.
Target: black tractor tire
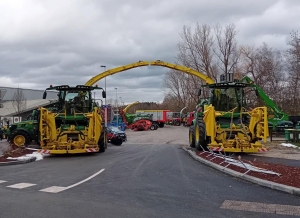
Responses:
[23,134]
[192,136]
[161,125]
[200,135]
[156,127]
[102,143]
[152,127]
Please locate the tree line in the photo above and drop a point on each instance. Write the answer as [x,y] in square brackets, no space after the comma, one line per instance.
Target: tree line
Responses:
[214,51]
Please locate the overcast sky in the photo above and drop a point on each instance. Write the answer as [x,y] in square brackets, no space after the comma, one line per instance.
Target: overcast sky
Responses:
[57,42]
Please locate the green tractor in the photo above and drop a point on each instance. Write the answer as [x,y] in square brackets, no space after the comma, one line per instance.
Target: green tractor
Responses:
[23,133]
[222,123]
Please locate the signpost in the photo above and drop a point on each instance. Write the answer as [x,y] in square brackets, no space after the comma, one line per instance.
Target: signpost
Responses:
[105,110]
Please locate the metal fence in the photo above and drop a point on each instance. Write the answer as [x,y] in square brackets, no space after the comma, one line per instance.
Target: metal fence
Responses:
[229,161]
[277,136]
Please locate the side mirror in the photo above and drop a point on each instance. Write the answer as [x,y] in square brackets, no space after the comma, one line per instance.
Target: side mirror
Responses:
[199,92]
[44,95]
[103,94]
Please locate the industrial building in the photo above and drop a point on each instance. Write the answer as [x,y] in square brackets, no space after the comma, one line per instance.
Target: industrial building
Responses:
[17,103]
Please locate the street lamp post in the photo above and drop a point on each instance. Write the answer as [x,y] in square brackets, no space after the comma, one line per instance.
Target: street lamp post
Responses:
[117,105]
[105,109]
[104,82]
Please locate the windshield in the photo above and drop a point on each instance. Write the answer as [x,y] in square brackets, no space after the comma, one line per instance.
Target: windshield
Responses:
[73,93]
[225,99]
[116,129]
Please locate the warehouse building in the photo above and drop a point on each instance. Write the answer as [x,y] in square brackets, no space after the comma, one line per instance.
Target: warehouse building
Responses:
[17,103]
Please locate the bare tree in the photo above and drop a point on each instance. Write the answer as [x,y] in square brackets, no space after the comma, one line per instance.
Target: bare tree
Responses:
[226,49]
[264,66]
[205,51]
[293,66]
[19,101]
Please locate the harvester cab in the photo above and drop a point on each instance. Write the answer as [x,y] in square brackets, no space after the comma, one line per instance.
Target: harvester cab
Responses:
[76,99]
[75,123]
[222,122]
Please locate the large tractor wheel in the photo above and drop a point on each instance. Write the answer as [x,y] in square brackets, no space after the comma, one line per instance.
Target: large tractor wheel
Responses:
[20,138]
[192,136]
[102,143]
[161,125]
[200,135]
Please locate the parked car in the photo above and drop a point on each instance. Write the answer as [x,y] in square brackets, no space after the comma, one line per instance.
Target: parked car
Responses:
[116,131]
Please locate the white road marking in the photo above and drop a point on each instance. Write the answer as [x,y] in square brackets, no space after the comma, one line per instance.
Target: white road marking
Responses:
[261,207]
[56,189]
[53,189]
[21,185]
[2,181]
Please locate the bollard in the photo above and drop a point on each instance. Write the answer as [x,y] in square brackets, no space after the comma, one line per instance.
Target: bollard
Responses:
[287,135]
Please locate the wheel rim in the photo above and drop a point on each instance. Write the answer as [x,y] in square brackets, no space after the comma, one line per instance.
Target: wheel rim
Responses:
[197,135]
[19,140]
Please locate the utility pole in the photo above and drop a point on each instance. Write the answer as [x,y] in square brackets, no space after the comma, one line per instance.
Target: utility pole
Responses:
[105,109]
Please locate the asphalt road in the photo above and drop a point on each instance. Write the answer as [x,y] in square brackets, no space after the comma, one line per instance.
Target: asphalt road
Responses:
[138,181]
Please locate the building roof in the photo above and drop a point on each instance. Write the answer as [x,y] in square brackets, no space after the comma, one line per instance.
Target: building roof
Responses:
[9,110]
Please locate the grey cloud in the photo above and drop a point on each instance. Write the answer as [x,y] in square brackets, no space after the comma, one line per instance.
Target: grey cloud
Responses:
[61,42]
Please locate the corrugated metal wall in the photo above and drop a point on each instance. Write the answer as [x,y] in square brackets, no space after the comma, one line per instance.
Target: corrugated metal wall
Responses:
[30,94]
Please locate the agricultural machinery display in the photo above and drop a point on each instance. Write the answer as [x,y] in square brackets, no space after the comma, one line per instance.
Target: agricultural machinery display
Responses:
[174,118]
[73,125]
[137,121]
[160,117]
[142,124]
[215,124]
[222,122]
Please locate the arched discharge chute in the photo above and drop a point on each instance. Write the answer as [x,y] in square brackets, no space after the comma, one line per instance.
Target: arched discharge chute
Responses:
[130,105]
[184,69]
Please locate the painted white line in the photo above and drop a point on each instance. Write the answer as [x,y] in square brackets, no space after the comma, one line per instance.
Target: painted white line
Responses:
[87,179]
[2,181]
[53,189]
[56,189]
[21,185]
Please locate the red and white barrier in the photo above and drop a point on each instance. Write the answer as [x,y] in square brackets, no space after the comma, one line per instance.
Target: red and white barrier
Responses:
[42,151]
[263,149]
[216,149]
[91,150]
